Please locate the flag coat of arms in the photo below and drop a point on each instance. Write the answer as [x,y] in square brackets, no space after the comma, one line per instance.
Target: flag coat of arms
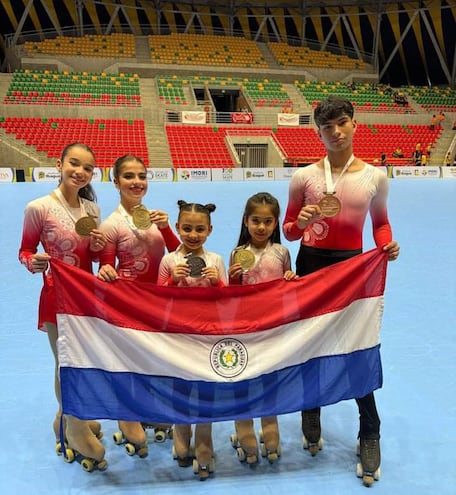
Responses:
[141,352]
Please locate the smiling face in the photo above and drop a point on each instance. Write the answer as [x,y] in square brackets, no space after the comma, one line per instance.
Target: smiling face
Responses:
[76,167]
[193,229]
[260,223]
[132,183]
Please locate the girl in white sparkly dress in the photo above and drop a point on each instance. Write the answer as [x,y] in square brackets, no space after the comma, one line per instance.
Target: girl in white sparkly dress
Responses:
[191,265]
[259,257]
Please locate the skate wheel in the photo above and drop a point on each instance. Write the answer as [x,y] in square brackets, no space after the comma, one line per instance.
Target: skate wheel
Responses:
[170,433]
[273,457]
[118,437]
[69,456]
[312,447]
[264,451]
[87,465]
[160,436]
[234,440]
[143,452]
[368,478]
[130,448]
[241,454]
[58,448]
[173,452]
[261,436]
[195,466]
[102,465]
[252,460]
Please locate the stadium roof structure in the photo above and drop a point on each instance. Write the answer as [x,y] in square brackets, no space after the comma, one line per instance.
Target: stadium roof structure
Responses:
[411,42]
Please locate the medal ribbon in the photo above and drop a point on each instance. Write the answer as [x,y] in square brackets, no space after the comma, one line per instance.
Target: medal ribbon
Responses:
[128,218]
[330,187]
[61,198]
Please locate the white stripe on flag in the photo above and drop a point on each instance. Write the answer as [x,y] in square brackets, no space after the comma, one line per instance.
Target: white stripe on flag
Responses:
[87,342]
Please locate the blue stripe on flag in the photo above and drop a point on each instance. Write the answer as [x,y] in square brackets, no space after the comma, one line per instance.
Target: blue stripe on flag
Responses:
[98,394]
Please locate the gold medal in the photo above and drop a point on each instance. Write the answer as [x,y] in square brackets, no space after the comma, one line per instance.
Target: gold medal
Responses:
[330,205]
[245,258]
[85,225]
[141,217]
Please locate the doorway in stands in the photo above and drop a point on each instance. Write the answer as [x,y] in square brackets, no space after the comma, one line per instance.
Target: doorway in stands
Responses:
[252,155]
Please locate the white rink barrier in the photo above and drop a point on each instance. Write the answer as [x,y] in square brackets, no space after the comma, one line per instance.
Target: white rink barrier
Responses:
[234,174]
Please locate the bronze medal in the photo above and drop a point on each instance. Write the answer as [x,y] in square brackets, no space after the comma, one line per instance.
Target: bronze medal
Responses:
[245,258]
[141,217]
[330,205]
[196,265]
[85,225]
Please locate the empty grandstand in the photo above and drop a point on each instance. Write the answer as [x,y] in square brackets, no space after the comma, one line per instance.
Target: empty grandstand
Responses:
[218,87]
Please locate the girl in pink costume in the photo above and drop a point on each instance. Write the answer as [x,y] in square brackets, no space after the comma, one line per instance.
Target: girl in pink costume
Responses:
[134,253]
[192,265]
[54,221]
[267,260]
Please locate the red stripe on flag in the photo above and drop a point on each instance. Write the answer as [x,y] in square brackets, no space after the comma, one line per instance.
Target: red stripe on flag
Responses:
[227,310]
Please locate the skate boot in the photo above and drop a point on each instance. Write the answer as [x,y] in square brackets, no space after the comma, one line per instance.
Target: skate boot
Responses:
[182,451]
[83,445]
[133,436]
[162,431]
[311,429]
[95,426]
[270,439]
[245,442]
[368,449]
[204,463]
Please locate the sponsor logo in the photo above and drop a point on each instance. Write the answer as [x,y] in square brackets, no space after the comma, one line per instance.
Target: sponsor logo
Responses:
[6,175]
[229,357]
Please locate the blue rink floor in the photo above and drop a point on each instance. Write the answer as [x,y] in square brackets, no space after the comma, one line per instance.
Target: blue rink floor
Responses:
[417,403]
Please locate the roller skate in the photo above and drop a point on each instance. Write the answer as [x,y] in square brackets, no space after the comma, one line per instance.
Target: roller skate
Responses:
[204,463]
[182,451]
[311,429]
[83,445]
[368,449]
[162,431]
[133,436]
[270,439]
[95,426]
[245,442]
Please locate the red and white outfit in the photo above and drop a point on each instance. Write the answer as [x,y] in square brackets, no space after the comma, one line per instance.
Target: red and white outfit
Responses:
[271,263]
[138,252]
[359,192]
[178,257]
[47,221]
